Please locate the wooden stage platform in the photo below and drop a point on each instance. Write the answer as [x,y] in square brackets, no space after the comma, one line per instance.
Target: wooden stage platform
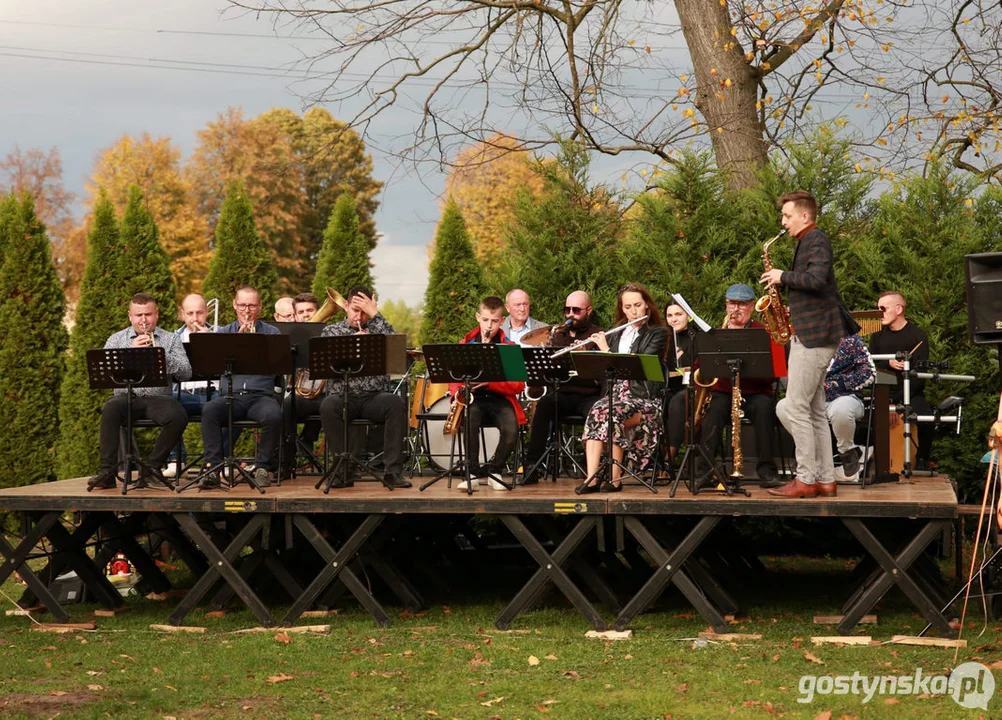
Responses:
[211,530]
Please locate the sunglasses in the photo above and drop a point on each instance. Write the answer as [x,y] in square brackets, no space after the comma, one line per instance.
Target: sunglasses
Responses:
[572,310]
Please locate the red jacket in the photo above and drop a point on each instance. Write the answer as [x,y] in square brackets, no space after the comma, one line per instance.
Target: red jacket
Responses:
[509,389]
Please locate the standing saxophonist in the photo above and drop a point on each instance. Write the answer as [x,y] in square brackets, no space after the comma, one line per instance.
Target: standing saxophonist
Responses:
[816,312]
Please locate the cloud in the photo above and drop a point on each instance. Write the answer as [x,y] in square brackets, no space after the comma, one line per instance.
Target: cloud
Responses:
[400,271]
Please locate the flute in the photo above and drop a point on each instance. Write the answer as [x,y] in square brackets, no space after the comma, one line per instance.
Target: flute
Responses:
[608,334]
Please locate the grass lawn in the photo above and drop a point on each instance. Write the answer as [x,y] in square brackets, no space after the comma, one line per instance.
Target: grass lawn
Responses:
[450,662]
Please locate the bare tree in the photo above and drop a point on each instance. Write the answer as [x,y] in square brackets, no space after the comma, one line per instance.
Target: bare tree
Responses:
[647,76]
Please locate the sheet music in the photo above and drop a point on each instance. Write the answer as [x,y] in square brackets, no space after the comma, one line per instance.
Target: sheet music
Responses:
[680,301]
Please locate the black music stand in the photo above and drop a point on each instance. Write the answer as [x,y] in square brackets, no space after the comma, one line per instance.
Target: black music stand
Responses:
[609,367]
[343,357]
[299,334]
[738,353]
[225,355]
[467,363]
[129,368]
[542,368]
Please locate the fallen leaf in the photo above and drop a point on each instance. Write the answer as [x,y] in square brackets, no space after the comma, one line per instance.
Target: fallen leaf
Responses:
[95,673]
[681,689]
[997,665]
[431,712]
[533,660]
[58,693]
[826,715]
[551,657]
[488,703]
[281,677]
[572,674]
[813,658]
[775,657]
[891,701]
[94,687]
[751,681]
[283,637]
[157,670]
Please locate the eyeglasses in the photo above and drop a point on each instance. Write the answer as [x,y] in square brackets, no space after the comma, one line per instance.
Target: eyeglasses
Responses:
[247,306]
[572,310]
[738,303]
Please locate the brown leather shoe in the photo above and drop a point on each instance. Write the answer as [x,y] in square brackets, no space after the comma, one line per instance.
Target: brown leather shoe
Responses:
[826,489]
[795,489]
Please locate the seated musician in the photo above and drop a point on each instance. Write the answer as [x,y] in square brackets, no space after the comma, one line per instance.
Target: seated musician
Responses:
[193,394]
[253,398]
[518,322]
[756,393]
[149,403]
[304,307]
[898,334]
[285,311]
[576,396]
[678,360]
[636,409]
[850,371]
[495,404]
[367,397]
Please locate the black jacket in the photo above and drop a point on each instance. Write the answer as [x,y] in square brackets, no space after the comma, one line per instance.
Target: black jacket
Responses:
[650,340]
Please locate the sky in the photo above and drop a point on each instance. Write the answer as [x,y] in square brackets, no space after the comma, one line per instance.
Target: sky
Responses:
[78,75]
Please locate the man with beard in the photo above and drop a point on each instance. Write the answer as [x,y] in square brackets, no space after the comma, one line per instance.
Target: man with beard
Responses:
[576,396]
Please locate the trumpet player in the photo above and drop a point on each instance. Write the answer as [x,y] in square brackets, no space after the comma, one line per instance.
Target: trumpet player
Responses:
[820,322]
[757,394]
[253,398]
[149,403]
[285,310]
[493,404]
[576,396]
[304,306]
[367,395]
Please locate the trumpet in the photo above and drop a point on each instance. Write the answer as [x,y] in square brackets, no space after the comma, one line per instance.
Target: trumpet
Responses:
[608,334]
[214,304]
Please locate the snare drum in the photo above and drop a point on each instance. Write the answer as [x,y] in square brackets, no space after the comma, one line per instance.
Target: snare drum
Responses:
[439,443]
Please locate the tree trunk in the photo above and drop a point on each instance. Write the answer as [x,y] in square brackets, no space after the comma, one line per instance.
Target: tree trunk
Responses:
[729,110]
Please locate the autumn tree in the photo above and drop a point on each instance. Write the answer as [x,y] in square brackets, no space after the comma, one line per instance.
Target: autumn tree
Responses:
[455,282]
[483,181]
[344,255]
[154,165]
[144,266]
[99,314]
[40,173]
[240,258]
[406,320]
[32,345]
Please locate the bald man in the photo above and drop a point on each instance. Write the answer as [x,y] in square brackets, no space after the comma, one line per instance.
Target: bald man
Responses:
[575,397]
[285,310]
[518,322]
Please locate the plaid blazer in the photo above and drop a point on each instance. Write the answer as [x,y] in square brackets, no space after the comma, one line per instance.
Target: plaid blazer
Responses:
[814,298]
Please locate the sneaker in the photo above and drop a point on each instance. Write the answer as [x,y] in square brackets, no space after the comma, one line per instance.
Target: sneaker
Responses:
[495,485]
[474,483]
[104,480]
[843,478]
[262,477]
[169,470]
[850,460]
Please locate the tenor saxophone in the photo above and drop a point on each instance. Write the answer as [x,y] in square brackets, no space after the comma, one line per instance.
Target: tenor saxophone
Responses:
[703,393]
[774,313]
[455,417]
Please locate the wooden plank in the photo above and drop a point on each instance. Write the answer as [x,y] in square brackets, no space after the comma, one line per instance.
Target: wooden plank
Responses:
[729,637]
[608,634]
[836,619]
[113,612]
[177,628]
[26,612]
[842,640]
[63,627]
[318,613]
[928,641]
[292,629]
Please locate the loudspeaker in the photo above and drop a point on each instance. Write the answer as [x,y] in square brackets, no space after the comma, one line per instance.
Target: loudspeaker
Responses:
[984,297]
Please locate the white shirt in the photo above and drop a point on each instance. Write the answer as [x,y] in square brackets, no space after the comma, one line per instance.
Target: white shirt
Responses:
[626,339]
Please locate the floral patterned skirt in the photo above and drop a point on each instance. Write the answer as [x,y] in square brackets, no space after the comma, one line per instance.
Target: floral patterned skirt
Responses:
[639,442]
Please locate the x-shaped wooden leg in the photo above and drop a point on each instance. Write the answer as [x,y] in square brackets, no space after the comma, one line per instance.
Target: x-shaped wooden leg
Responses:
[15,559]
[550,570]
[670,570]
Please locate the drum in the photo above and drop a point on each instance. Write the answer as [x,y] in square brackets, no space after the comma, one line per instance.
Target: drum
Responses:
[425,395]
[439,443]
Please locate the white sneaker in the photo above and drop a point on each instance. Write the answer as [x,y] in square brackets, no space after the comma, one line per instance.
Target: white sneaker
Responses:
[842,479]
[474,483]
[495,485]
[169,470]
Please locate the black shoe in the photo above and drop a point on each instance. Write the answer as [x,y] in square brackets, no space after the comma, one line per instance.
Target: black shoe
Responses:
[212,481]
[395,481]
[769,478]
[609,487]
[850,461]
[530,478]
[586,489]
[340,483]
[153,476]
[104,480]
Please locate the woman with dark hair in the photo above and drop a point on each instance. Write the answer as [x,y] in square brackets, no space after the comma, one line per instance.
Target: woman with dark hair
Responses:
[636,408]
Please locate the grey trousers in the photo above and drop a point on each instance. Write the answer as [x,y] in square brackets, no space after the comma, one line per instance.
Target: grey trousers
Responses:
[802,411]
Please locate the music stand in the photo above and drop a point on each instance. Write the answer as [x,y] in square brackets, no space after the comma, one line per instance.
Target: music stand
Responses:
[466,363]
[225,355]
[343,357]
[610,367]
[542,368]
[738,353]
[129,368]
[299,334]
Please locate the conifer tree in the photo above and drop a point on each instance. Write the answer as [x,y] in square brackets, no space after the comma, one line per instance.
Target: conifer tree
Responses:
[240,258]
[344,256]
[8,212]
[455,282]
[145,266]
[32,345]
[98,316]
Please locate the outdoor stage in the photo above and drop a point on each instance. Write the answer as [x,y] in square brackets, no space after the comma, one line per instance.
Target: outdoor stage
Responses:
[210,531]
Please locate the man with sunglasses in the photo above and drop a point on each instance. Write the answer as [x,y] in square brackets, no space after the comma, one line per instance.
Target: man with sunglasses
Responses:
[897,334]
[576,396]
[518,322]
